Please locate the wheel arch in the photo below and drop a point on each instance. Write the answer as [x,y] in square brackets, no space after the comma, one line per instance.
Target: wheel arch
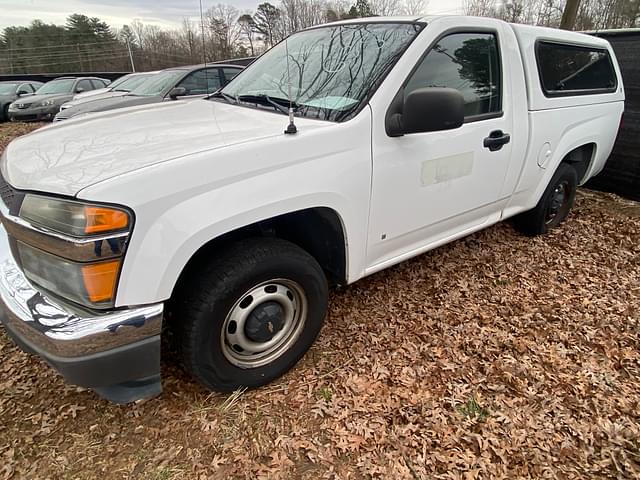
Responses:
[320,231]
[581,158]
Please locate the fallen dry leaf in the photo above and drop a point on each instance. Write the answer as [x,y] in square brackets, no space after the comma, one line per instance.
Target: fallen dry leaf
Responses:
[496,356]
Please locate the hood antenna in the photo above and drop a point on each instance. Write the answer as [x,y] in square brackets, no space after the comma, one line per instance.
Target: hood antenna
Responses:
[291,128]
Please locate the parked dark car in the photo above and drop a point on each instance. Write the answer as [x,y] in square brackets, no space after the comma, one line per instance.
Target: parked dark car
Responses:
[49,97]
[170,84]
[11,91]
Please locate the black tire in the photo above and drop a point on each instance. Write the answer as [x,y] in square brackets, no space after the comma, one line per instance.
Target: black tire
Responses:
[550,210]
[205,301]
[5,114]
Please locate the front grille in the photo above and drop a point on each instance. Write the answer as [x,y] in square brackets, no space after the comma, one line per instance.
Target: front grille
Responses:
[20,116]
[23,105]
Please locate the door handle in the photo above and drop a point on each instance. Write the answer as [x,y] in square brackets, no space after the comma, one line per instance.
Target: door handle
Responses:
[496,140]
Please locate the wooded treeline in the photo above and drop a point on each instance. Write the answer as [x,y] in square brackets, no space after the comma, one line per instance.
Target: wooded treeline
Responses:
[86,44]
[592,14]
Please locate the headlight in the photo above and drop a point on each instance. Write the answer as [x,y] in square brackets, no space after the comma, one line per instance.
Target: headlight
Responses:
[73,218]
[90,284]
[46,103]
[77,250]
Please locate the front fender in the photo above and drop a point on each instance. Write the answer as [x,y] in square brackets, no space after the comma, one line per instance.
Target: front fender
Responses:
[181,205]
[160,257]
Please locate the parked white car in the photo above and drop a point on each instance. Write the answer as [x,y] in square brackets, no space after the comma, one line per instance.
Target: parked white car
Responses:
[205,220]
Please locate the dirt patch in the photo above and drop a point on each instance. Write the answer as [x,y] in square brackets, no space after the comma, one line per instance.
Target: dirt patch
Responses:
[9,131]
[497,356]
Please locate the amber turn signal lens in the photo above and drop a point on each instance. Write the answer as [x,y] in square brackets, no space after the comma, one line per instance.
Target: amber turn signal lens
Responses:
[101,219]
[100,280]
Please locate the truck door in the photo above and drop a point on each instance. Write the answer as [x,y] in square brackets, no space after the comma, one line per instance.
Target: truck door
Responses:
[430,187]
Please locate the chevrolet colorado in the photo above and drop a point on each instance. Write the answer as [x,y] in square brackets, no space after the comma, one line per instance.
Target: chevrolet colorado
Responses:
[221,224]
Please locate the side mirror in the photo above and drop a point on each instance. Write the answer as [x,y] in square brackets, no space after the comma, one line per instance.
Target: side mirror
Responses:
[177,92]
[22,92]
[429,109]
[79,90]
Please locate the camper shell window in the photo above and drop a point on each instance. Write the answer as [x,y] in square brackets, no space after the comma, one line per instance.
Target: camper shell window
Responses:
[574,70]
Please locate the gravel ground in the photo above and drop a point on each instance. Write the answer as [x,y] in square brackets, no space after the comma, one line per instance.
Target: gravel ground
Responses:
[495,356]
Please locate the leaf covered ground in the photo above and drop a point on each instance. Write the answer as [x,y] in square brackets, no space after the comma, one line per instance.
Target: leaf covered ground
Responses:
[496,356]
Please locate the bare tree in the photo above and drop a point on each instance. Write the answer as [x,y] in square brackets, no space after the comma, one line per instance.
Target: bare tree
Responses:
[189,39]
[337,9]
[138,30]
[415,7]
[597,15]
[248,30]
[549,13]
[299,14]
[267,19]
[570,14]
[222,21]
[386,7]
[479,8]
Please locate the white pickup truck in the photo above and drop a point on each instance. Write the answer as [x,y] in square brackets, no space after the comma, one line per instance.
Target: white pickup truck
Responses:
[220,225]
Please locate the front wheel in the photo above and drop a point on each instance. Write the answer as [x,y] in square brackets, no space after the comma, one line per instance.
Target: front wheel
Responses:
[250,314]
[554,206]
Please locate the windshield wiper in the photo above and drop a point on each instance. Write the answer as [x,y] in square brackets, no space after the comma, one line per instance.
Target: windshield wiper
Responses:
[280,104]
[225,96]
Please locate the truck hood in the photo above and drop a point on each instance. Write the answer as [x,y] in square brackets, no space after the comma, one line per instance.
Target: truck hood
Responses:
[68,156]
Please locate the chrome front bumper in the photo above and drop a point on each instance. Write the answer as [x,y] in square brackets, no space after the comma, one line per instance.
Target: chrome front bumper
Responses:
[97,350]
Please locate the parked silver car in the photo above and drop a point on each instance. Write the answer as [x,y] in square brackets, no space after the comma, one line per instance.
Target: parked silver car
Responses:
[47,100]
[117,88]
[169,84]
[12,90]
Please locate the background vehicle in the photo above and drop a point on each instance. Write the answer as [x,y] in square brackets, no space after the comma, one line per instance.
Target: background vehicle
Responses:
[408,134]
[115,85]
[46,101]
[117,88]
[169,84]
[10,91]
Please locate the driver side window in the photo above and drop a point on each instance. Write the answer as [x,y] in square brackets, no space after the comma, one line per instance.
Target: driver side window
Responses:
[467,62]
[201,82]
[85,85]
[25,88]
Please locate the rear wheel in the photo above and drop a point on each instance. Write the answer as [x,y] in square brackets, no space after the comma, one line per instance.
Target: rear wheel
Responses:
[5,113]
[250,314]
[554,206]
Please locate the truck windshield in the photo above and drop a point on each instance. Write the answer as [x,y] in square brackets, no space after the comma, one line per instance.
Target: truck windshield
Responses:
[331,70]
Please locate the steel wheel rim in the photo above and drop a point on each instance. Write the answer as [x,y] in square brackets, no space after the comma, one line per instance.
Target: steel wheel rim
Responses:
[237,345]
[559,200]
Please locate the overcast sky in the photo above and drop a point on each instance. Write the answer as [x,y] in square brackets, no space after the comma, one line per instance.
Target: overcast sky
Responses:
[166,13]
